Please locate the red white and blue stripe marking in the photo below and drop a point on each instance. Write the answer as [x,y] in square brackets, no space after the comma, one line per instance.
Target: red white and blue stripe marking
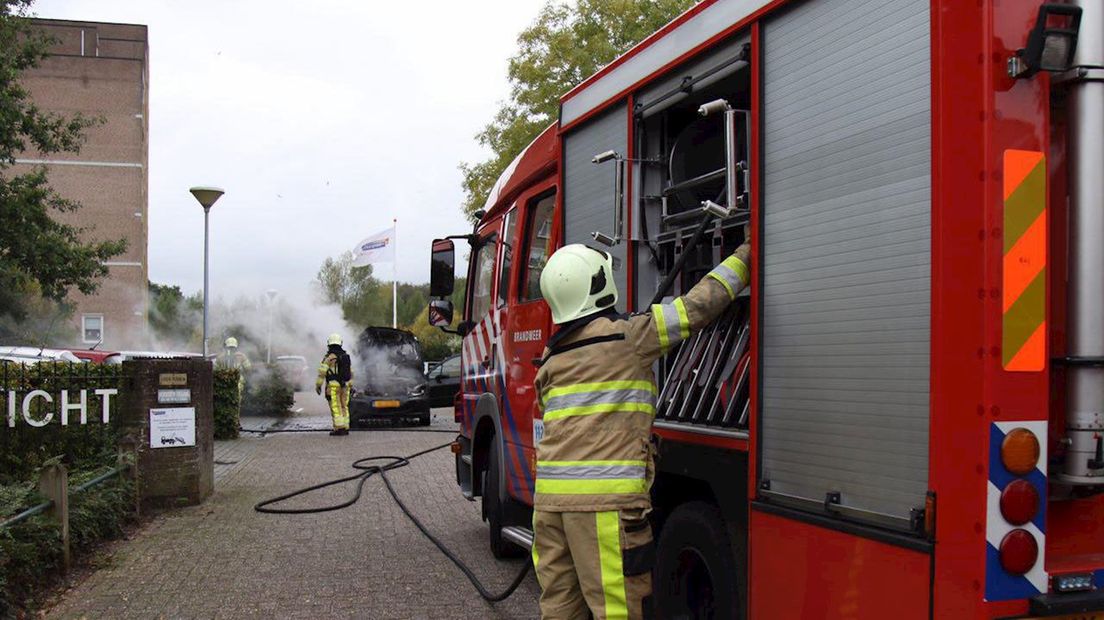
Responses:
[1001,585]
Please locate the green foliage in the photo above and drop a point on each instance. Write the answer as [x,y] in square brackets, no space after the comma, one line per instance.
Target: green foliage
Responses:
[30,551]
[42,321]
[175,321]
[363,299]
[565,44]
[227,403]
[36,249]
[268,392]
[23,448]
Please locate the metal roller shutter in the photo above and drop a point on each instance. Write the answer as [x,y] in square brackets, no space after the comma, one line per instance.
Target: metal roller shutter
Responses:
[588,187]
[846,265]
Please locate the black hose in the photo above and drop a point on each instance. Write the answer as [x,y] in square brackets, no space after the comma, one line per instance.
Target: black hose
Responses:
[665,286]
[483,592]
[366,472]
[264,431]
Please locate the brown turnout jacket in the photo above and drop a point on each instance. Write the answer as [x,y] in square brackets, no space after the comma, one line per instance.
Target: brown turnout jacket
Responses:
[598,400]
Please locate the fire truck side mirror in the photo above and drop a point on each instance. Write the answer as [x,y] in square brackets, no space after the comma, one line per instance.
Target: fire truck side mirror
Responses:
[442,270]
[440,313]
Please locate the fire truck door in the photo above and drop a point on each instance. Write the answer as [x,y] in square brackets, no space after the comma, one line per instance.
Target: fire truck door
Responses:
[528,322]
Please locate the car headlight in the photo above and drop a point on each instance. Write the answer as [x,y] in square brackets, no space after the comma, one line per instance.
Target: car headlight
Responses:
[418,390]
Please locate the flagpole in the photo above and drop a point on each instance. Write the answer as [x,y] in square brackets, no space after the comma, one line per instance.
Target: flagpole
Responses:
[395,277]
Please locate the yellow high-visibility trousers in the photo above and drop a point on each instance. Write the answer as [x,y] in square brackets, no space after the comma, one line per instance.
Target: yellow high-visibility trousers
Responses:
[596,563]
[338,395]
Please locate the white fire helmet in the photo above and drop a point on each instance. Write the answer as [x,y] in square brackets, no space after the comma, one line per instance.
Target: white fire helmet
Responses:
[334,339]
[578,281]
[231,343]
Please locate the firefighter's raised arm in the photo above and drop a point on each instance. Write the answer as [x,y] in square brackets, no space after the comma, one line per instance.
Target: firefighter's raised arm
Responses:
[653,333]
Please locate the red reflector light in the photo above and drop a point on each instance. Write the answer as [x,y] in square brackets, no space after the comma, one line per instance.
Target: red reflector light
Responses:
[1019,502]
[455,447]
[1018,552]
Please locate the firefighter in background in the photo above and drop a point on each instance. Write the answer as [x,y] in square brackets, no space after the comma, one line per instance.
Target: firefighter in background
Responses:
[593,543]
[335,373]
[233,358]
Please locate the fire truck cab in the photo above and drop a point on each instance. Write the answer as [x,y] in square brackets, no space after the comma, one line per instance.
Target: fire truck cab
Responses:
[904,415]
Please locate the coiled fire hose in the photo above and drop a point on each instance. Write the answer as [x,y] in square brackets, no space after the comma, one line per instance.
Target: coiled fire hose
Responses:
[368,467]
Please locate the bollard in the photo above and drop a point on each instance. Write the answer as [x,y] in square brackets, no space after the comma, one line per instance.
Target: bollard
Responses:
[53,484]
[127,457]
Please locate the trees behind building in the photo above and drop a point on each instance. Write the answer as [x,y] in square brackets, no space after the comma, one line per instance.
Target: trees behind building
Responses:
[566,43]
[365,300]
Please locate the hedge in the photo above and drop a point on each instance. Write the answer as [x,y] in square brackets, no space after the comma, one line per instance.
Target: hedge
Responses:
[267,392]
[30,552]
[227,403]
[24,448]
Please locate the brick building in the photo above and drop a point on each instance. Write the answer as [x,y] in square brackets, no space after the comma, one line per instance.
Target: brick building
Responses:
[102,70]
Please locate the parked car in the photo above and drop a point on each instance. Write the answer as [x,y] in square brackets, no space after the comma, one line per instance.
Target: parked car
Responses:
[109,358]
[31,355]
[295,370]
[159,355]
[389,381]
[444,381]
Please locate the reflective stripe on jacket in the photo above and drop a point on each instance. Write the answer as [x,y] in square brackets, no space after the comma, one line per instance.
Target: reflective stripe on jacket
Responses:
[327,371]
[598,400]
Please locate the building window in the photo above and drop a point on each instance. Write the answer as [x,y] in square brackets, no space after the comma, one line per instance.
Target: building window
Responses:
[92,328]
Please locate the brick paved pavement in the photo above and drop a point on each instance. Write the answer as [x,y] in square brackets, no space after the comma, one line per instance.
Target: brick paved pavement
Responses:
[223,560]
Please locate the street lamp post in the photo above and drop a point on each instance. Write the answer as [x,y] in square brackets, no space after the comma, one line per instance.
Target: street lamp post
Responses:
[271,293]
[206,197]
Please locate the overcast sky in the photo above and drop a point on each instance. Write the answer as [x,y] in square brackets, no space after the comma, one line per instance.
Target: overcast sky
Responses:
[322,120]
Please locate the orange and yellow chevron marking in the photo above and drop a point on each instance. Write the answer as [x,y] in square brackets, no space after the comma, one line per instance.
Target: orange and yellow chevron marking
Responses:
[1023,286]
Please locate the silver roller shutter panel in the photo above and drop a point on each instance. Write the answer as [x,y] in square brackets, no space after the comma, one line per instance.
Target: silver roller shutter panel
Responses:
[588,187]
[846,265]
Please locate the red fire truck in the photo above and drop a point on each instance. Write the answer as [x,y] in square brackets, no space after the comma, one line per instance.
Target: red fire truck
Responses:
[903,417]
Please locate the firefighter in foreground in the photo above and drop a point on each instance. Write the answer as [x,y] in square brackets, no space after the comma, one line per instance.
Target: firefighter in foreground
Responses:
[233,358]
[335,373]
[593,543]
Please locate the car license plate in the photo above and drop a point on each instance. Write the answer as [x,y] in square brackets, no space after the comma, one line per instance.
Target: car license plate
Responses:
[386,404]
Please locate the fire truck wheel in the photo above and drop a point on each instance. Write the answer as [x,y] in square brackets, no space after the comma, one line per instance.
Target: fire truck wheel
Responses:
[493,509]
[695,573]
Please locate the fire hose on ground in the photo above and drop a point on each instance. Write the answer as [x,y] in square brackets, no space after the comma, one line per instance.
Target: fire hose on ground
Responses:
[368,467]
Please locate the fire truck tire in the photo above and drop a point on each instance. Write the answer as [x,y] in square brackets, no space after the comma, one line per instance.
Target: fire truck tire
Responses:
[695,573]
[493,508]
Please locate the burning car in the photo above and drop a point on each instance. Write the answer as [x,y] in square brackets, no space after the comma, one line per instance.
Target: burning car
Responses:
[388,378]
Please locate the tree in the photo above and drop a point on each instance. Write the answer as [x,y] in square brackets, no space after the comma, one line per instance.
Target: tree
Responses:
[38,253]
[567,43]
[363,299]
[176,321]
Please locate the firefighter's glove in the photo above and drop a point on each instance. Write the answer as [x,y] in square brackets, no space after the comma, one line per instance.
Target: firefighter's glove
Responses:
[318,390]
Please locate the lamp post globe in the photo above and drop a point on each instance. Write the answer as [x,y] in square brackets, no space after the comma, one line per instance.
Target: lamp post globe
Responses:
[206,196]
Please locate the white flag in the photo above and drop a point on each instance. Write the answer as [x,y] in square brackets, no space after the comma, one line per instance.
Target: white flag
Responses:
[379,248]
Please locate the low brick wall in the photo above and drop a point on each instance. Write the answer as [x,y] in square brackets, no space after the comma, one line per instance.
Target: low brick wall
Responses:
[170,475]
